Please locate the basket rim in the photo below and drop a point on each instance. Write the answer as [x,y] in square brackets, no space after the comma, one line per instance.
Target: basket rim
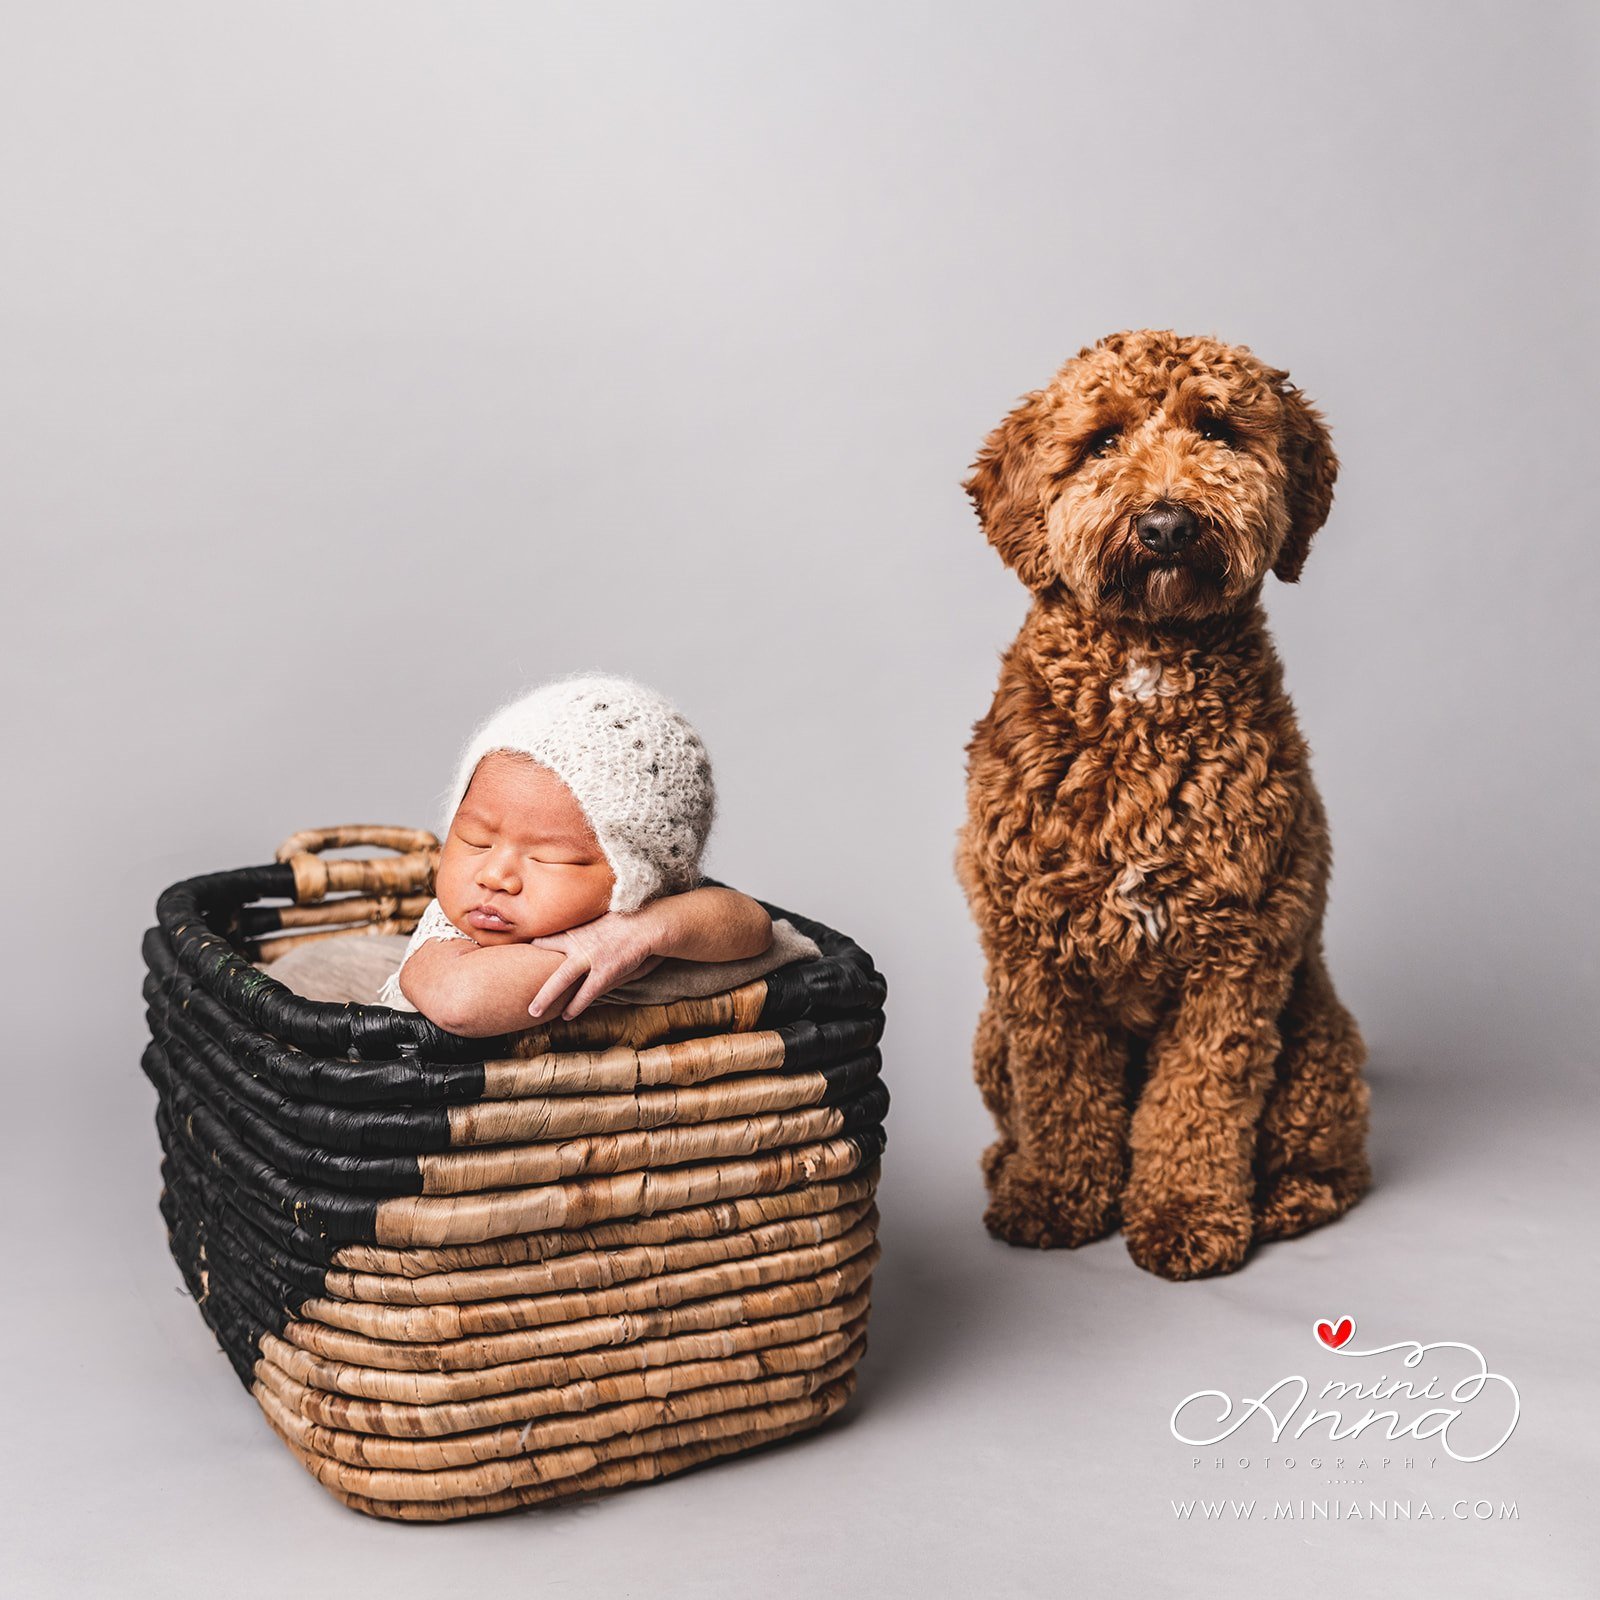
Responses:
[844,977]
[414,1095]
[808,1075]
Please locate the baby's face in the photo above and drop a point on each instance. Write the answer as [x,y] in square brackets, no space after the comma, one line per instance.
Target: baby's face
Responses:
[520,859]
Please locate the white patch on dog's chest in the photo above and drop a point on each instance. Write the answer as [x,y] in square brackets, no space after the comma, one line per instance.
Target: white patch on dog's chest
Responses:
[1139,907]
[1142,680]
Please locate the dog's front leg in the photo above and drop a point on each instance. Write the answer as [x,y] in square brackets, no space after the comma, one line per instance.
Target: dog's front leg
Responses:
[1055,1175]
[1187,1209]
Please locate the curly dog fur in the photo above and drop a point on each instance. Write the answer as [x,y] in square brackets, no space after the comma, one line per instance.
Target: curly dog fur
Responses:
[1145,853]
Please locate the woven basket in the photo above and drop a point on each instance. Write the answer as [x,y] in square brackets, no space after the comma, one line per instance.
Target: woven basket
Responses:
[461,1276]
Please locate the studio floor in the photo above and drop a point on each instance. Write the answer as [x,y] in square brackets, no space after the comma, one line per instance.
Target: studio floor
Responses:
[1011,1434]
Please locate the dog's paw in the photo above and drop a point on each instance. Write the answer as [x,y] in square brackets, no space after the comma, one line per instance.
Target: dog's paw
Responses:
[1189,1238]
[1297,1202]
[1026,1208]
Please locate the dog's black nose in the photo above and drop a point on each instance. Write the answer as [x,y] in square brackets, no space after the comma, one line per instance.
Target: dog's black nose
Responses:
[1166,529]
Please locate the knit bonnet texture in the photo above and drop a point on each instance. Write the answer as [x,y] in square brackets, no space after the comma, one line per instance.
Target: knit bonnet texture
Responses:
[632,760]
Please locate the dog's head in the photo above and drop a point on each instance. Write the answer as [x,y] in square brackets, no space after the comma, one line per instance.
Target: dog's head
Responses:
[1157,476]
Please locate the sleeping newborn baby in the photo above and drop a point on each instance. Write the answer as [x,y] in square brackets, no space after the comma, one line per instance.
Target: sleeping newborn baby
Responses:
[570,862]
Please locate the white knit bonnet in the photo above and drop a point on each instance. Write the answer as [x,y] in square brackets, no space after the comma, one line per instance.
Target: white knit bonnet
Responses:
[635,765]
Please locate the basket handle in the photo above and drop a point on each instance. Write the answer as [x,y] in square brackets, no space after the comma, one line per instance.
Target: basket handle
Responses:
[410,871]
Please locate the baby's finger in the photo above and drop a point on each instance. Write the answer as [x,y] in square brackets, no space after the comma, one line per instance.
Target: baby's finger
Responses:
[595,985]
[565,977]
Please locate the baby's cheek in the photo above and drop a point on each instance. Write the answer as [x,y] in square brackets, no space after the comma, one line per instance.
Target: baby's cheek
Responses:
[559,898]
[584,896]
[595,899]
[446,888]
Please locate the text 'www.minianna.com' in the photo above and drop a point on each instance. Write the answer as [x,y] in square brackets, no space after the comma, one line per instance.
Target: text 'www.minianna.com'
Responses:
[1345,1511]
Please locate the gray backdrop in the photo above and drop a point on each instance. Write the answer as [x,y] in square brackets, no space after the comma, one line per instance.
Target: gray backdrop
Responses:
[364,362]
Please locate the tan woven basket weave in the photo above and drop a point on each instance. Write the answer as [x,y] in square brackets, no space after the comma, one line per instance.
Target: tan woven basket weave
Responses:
[465,1276]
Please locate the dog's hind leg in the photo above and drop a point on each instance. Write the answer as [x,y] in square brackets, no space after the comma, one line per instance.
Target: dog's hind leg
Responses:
[1055,1174]
[1311,1156]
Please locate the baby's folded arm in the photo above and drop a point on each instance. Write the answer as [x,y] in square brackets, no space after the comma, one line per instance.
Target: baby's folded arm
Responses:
[710,924]
[480,991]
[477,991]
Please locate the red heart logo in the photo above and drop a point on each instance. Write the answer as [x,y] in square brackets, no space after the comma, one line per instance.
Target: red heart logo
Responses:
[1336,1336]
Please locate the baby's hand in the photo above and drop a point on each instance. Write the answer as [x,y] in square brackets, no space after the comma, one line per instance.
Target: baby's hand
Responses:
[600,955]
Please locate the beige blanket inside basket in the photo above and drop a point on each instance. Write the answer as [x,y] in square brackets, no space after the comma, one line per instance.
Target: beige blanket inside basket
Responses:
[354,967]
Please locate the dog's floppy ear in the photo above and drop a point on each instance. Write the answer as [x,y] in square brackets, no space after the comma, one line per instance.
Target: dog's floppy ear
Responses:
[1007,487]
[1312,466]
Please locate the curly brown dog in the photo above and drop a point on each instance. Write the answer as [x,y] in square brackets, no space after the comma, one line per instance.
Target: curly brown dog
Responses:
[1145,853]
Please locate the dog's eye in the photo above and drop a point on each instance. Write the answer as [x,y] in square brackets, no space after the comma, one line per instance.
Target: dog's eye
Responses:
[1100,443]
[1214,428]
